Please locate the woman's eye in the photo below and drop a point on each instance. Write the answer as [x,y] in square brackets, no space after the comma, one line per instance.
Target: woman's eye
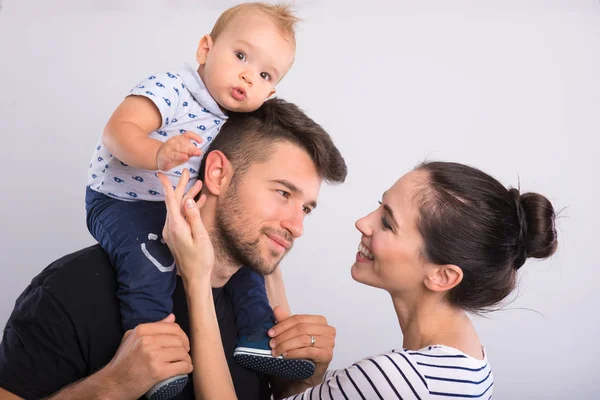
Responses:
[385,224]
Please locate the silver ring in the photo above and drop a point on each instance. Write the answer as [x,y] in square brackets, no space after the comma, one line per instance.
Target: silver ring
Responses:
[312,341]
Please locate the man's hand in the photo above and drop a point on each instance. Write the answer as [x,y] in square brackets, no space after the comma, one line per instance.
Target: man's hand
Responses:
[292,337]
[177,150]
[148,354]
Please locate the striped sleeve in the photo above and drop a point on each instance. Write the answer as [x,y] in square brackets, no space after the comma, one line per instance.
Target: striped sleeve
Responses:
[387,376]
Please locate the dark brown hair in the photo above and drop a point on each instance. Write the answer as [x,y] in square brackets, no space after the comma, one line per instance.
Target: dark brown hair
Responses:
[469,219]
[247,138]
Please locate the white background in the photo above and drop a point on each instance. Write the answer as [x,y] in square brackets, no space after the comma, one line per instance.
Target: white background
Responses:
[511,87]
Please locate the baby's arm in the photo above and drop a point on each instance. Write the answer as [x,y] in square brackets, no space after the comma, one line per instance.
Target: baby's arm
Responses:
[126,134]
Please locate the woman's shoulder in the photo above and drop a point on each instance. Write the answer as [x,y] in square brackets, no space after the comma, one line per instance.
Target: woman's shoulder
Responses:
[430,355]
[438,369]
[448,371]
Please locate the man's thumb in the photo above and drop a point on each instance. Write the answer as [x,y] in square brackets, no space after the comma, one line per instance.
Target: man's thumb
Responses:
[170,318]
[280,314]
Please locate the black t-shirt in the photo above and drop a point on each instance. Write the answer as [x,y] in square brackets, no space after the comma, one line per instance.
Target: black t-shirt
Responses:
[66,325]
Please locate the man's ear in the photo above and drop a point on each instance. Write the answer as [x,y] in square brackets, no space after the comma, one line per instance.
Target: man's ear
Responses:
[203,48]
[217,173]
[442,278]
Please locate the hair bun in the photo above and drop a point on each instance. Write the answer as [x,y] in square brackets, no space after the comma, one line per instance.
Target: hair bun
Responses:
[540,230]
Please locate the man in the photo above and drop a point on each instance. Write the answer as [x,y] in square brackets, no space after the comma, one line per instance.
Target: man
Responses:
[64,337]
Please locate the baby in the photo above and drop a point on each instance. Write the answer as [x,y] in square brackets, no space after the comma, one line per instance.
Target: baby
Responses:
[166,124]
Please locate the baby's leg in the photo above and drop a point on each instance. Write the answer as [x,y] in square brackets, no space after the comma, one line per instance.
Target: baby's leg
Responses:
[254,317]
[131,234]
[246,289]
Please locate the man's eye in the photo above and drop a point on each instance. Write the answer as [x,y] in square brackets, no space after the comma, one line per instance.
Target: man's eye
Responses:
[266,76]
[240,55]
[283,193]
[307,210]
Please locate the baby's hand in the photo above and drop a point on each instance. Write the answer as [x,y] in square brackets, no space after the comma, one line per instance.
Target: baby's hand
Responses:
[177,150]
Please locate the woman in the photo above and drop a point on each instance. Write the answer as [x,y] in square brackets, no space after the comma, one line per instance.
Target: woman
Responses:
[446,240]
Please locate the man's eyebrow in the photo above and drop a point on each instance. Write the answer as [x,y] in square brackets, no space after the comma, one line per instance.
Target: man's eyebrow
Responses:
[295,189]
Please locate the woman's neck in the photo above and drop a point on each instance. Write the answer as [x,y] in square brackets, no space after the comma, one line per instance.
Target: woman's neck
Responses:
[429,321]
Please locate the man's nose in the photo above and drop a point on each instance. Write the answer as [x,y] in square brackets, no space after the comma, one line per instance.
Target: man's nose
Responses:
[294,223]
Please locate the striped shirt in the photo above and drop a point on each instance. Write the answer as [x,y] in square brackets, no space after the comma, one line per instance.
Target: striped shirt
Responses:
[434,372]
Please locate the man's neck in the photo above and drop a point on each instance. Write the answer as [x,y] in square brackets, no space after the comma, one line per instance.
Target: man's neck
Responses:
[221,273]
[223,270]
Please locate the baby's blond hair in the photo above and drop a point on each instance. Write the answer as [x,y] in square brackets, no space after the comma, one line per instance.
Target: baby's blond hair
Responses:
[280,14]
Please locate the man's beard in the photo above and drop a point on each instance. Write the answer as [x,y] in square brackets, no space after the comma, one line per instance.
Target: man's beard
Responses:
[232,235]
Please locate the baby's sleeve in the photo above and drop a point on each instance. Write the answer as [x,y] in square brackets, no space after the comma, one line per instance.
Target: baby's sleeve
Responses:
[165,90]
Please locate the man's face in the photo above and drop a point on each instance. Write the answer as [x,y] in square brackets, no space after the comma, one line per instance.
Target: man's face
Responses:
[262,212]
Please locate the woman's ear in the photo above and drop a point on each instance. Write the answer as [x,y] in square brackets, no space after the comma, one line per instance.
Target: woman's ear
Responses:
[217,172]
[444,277]
[203,48]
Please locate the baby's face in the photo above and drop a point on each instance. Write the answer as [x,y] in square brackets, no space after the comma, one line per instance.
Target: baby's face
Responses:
[246,61]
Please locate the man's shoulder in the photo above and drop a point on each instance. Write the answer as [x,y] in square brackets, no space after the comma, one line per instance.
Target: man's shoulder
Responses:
[85,268]
[64,325]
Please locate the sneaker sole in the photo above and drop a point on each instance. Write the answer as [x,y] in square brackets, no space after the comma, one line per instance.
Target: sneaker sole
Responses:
[263,361]
[168,388]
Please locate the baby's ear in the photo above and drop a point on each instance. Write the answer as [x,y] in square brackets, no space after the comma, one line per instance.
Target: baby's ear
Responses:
[203,48]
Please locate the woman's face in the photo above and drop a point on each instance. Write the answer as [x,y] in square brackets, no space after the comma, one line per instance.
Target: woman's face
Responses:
[388,255]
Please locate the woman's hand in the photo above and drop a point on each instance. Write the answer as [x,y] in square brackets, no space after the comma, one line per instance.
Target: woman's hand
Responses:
[304,336]
[184,231]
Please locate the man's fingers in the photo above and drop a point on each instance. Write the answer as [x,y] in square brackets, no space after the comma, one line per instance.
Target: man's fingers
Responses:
[280,314]
[170,341]
[162,328]
[171,362]
[173,354]
[168,318]
[177,368]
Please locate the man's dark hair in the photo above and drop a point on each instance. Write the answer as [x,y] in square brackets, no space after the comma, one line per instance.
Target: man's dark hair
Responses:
[248,138]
